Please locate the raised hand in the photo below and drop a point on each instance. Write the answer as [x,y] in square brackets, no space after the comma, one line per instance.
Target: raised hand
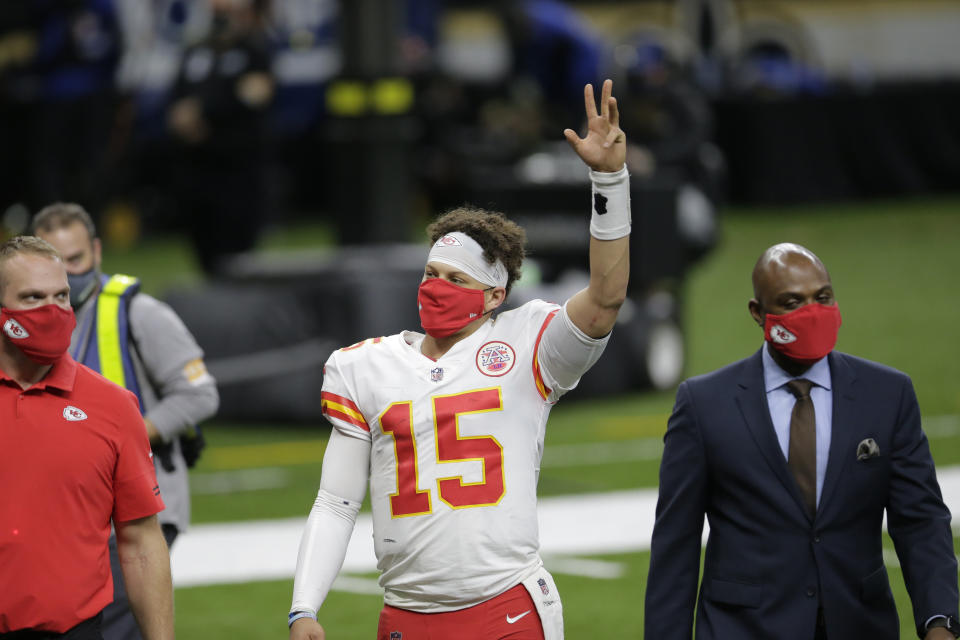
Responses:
[605,147]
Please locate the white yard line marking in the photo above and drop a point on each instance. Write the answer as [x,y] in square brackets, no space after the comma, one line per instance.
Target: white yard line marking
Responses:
[890,558]
[585,567]
[591,524]
[353,584]
[220,482]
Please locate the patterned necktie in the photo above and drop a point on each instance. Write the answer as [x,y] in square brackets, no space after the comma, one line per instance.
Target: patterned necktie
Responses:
[802,458]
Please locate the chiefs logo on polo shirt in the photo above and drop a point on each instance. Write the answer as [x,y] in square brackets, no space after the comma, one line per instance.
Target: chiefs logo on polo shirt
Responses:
[74,414]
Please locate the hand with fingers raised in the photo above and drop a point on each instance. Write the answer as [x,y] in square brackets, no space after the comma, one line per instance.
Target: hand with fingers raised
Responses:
[605,146]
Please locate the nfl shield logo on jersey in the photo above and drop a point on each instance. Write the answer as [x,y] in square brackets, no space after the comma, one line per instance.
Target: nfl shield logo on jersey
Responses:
[495,358]
[396,635]
[543,586]
[436,375]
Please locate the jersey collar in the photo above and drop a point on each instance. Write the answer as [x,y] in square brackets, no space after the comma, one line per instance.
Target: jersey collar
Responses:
[61,376]
[412,341]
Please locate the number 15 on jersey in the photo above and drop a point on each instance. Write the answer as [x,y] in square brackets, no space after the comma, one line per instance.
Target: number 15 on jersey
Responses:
[397,420]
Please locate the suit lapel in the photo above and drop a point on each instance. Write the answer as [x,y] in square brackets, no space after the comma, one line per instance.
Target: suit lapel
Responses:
[752,401]
[842,435]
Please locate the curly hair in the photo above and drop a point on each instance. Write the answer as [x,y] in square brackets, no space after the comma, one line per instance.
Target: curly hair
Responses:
[500,237]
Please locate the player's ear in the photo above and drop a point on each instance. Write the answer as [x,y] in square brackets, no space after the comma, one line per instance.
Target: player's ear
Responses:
[756,310]
[494,298]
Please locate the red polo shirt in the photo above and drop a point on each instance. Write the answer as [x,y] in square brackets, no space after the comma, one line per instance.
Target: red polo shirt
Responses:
[74,454]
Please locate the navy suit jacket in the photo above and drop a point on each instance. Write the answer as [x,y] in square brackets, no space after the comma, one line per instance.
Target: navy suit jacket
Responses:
[768,566]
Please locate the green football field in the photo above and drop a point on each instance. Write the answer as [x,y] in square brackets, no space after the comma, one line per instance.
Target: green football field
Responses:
[894,267]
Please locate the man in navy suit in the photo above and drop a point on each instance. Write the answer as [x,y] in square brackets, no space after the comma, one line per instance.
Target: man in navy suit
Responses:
[794,478]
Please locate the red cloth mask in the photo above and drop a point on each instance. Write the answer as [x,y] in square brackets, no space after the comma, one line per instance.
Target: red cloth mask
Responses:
[446,308]
[42,333]
[804,335]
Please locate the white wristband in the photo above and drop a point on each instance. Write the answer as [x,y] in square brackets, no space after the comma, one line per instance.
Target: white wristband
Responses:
[610,204]
[293,616]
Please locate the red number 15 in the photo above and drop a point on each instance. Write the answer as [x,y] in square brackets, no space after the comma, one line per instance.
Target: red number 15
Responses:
[397,420]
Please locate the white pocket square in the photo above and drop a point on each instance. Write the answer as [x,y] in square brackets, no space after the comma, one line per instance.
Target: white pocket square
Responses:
[867,449]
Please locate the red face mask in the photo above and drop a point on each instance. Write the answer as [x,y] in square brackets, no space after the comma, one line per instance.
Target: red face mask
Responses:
[804,335]
[446,308]
[42,333]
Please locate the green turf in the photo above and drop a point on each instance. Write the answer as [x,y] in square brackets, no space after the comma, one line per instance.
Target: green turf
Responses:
[168,262]
[161,264]
[212,612]
[593,608]
[258,610]
[893,266]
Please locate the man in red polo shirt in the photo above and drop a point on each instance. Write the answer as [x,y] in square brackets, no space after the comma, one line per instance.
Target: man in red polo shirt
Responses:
[74,458]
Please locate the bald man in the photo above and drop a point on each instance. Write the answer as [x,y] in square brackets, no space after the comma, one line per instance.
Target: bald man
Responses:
[793,454]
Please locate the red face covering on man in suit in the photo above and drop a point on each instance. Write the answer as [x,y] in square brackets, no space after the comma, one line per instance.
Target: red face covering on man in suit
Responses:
[805,335]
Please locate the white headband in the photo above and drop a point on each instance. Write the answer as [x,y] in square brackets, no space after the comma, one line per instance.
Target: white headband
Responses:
[462,252]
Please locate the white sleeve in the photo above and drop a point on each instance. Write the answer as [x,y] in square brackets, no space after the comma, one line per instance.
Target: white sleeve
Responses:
[566,353]
[343,484]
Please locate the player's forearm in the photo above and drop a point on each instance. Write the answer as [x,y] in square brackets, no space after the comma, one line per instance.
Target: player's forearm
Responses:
[609,272]
[594,310]
[343,484]
[145,562]
[322,549]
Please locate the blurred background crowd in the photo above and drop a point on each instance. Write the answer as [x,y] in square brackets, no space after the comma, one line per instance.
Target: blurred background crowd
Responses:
[218,120]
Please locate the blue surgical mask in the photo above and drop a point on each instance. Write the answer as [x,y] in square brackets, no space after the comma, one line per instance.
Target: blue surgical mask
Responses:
[82,286]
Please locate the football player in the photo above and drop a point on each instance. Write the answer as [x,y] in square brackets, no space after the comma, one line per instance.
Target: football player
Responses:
[447,426]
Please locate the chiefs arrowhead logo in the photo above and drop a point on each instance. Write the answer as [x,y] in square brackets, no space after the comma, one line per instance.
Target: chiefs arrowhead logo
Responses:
[15,330]
[73,414]
[448,241]
[780,335]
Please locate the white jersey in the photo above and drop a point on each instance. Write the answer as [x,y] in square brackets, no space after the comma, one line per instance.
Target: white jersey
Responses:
[455,454]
